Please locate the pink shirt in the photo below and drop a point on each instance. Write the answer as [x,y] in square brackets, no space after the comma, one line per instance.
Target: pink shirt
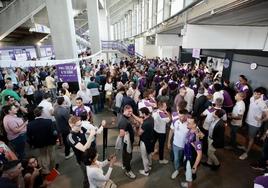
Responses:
[10,123]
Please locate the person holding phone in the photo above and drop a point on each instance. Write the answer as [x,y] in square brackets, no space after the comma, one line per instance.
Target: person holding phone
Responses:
[32,174]
[15,128]
[95,174]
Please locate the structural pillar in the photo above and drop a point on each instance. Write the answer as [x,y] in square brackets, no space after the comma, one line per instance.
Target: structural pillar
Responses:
[146,15]
[60,15]
[130,23]
[37,51]
[154,15]
[93,25]
[166,9]
[134,20]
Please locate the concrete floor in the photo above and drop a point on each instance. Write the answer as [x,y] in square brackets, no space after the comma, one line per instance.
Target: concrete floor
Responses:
[233,173]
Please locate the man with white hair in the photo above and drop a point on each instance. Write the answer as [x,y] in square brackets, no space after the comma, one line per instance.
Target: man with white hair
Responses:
[85,94]
[65,86]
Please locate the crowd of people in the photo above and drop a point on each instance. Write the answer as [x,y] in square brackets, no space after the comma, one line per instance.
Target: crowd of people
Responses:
[186,108]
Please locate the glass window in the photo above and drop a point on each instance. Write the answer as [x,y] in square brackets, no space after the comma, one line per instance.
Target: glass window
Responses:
[160,7]
[176,6]
[150,17]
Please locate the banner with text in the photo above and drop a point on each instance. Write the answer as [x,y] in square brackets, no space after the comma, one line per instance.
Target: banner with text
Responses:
[67,72]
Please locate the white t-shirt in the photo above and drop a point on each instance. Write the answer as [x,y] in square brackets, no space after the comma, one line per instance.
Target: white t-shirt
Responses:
[189,98]
[209,117]
[180,131]
[145,103]
[85,95]
[216,95]
[88,126]
[108,87]
[50,82]
[239,109]
[118,99]
[256,110]
[47,109]
[95,175]
[160,122]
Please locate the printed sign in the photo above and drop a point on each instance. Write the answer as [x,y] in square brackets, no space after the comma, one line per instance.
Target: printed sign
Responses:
[196,52]
[67,72]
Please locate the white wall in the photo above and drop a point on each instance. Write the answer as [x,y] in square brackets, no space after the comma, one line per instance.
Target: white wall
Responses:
[168,51]
[224,37]
[168,40]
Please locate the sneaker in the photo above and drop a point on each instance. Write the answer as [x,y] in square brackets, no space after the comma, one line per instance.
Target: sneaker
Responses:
[142,172]
[243,156]
[69,156]
[184,184]
[164,161]
[242,148]
[174,174]
[130,174]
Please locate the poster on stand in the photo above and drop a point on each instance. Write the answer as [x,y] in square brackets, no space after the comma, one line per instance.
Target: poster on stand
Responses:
[67,72]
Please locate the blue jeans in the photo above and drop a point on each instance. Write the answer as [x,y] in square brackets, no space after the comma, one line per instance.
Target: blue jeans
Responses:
[178,156]
[233,134]
[19,145]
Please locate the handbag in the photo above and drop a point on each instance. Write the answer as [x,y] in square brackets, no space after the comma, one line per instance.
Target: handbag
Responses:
[110,184]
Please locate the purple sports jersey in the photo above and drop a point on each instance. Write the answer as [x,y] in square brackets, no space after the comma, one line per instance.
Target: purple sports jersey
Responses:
[188,148]
[227,102]
[262,181]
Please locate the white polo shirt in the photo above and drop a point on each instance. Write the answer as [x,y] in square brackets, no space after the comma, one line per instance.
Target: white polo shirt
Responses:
[180,131]
[145,103]
[239,109]
[160,122]
[256,110]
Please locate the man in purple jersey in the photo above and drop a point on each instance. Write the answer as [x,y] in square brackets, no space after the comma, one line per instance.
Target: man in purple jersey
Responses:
[192,152]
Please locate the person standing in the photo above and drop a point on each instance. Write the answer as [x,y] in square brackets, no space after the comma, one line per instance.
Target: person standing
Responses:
[93,86]
[51,85]
[42,137]
[85,94]
[192,152]
[161,118]
[257,113]
[15,128]
[127,135]
[215,139]
[237,117]
[62,115]
[79,143]
[94,167]
[178,130]
[146,132]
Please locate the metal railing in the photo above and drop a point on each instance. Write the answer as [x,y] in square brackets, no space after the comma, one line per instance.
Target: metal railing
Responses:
[121,47]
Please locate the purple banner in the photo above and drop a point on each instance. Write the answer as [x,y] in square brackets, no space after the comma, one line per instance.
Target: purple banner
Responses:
[67,72]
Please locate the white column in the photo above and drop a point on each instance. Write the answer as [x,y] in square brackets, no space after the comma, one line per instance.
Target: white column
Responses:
[154,17]
[146,14]
[126,26]
[122,29]
[93,25]
[167,9]
[60,15]
[130,23]
[134,20]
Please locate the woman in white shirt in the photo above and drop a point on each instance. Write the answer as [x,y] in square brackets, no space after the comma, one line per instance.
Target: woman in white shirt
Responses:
[109,92]
[29,92]
[94,167]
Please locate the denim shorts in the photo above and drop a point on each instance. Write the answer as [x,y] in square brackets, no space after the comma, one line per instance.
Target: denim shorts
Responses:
[252,131]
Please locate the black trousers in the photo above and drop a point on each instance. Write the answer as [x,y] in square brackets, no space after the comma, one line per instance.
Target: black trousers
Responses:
[161,137]
[126,158]
[67,146]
